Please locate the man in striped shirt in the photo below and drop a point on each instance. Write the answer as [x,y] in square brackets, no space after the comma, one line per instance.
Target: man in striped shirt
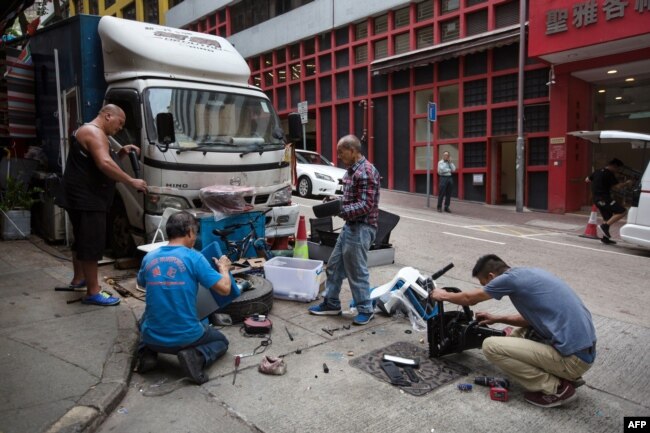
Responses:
[360,210]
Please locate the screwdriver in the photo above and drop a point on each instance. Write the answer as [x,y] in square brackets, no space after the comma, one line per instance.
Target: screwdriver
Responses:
[237,361]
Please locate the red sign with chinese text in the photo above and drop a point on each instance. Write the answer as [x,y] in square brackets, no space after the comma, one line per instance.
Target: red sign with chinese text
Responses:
[560,25]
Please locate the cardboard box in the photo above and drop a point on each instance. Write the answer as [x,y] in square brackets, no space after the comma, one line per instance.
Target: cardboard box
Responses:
[295,279]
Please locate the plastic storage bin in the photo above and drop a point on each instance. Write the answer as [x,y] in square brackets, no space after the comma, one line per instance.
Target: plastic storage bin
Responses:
[294,279]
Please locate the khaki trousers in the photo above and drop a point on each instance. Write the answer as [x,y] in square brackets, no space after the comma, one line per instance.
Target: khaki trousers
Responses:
[535,366]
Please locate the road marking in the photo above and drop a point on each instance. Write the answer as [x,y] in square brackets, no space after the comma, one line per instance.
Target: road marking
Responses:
[476,239]
[473,227]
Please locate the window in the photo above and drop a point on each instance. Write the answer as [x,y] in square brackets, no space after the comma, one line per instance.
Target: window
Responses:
[447,126]
[448,6]
[474,93]
[342,85]
[325,63]
[381,48]
[341,36]
[151,11]
[310,67]
[422,99]
[310,91]
[309,47]
[424,37]
[504,88]
[536,118]
[448,69]
[506,14]
[93,7]
[402,17]
[504,121]
[325,84]
[295,71]
[449,30]
[474,155]
[424,10]
[108,3]
[448,97]
[268,79]
[421,157]
[401,43]
[342,58]
[538,151]
[505,57]
[535,83]
[469,3]
[324,41]
[475,123]
[360,81]
[381,24]
[421,129]
[361,54]
[475,64]
[128,12]
[281,73]
[294,52]
[361,30]
[476,23]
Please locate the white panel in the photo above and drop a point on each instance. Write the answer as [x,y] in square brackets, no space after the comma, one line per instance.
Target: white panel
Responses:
[191,10]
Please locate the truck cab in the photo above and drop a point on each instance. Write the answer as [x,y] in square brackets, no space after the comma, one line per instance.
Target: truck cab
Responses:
[226,132]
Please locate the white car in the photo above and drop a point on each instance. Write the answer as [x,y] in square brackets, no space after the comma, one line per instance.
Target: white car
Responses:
[317,175]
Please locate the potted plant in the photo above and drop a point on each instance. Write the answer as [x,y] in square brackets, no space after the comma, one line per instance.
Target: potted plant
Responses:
[15,209]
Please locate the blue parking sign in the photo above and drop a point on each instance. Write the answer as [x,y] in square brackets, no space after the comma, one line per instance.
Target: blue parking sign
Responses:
[433,111]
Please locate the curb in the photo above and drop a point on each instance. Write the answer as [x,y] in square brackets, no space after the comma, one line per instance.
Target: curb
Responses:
[101,399]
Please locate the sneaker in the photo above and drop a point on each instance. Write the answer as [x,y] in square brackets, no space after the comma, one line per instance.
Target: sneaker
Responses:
[147,361]
[363,318]
[324,310]
[447,210]
[191,362]
[565,394]
[102,298]
[605,229]
[607,241]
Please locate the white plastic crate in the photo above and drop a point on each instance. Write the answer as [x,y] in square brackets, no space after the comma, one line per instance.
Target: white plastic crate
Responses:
[294,279]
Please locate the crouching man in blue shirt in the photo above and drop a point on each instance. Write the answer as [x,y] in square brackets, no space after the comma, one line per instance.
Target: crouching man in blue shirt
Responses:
[555,343]
[170,323]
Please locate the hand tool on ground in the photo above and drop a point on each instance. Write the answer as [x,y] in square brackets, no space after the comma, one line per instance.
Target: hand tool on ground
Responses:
[289,333]
[237,361]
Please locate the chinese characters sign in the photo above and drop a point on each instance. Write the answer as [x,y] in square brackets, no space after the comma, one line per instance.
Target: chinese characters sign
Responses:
[560,25]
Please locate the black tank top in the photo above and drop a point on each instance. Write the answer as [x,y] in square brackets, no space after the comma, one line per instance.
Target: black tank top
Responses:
[85,186]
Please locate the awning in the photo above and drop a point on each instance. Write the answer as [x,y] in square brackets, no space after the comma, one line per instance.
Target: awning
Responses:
[447,50]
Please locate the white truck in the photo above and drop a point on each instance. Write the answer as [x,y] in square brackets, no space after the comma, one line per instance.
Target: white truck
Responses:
[226,131]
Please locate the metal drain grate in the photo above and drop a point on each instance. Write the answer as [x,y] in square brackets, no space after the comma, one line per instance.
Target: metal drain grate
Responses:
[432,372]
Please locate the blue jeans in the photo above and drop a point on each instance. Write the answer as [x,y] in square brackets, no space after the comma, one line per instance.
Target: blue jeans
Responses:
[444,190]
[212,345]
[349,260]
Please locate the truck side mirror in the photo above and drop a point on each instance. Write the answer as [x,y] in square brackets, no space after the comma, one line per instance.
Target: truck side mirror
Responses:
[295,126]
[165,128]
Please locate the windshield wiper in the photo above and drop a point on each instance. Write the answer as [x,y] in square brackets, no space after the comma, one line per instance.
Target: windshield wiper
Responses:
[203,146]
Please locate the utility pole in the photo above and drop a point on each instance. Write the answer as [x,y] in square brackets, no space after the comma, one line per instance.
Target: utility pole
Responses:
[519,164]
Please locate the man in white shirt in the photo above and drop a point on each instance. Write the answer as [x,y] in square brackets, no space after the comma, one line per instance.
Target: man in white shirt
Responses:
[446,181]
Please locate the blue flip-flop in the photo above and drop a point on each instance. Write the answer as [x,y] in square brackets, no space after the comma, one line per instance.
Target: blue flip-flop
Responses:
[102,299]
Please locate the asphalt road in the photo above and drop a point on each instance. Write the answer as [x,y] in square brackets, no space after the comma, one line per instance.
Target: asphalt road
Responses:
[612,281]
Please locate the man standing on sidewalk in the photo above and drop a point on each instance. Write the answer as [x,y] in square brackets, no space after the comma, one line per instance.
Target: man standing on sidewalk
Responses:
[602,182]
[445,181]
[360,210]
[89,186]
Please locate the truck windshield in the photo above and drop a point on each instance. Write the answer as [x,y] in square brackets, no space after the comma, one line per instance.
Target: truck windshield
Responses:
[208,120]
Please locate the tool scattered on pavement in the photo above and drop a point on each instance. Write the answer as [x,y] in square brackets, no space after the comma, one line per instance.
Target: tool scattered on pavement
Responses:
[288,333]
[466,387]
[325,368]
[237,361]
[498,393]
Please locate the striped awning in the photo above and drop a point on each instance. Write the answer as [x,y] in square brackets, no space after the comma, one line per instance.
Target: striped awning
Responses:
[447,50]
[20,115]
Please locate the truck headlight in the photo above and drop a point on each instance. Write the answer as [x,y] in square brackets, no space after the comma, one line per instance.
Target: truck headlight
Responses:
[156,204]
[322,176]
[281,196]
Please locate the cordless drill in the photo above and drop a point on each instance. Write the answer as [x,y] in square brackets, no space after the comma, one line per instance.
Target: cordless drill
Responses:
[492,382]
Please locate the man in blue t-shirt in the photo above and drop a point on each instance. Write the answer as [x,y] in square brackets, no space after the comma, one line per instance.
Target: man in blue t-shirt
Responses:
[170,323]
[557,339]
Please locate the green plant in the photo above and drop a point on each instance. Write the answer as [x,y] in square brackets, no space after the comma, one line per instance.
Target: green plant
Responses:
[18,196]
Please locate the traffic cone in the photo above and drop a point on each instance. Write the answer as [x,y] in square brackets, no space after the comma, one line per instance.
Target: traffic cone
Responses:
[301,249]
[590,230]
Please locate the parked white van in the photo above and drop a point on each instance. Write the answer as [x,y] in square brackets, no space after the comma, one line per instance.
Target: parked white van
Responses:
[637,228]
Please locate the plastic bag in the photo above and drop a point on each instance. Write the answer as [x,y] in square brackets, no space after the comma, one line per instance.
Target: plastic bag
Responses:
[417,323]
[225,200]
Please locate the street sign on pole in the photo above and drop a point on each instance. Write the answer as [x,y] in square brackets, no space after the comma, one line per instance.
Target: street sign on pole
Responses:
[432,110]
[304,118]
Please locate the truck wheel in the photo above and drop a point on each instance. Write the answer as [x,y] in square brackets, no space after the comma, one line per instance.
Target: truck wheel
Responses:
[304,187]
[258,299]
[118,236]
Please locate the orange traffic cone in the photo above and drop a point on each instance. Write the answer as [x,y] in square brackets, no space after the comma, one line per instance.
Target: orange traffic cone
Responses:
[301,249]
[590,230]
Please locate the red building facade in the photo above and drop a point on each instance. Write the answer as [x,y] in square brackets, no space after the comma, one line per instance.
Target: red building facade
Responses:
[375,77]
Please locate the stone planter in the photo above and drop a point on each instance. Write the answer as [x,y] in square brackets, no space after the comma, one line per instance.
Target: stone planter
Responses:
[13,222]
